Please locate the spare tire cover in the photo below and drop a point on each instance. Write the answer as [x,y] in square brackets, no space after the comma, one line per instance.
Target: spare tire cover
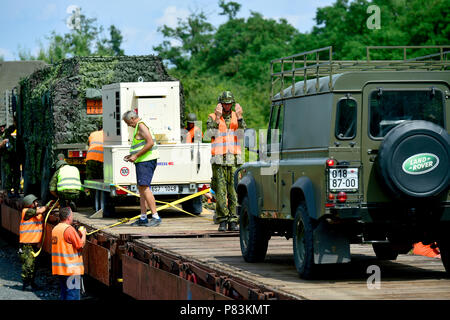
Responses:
[413,159]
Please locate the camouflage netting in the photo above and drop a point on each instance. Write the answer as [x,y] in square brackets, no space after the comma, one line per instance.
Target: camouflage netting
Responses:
[53,106]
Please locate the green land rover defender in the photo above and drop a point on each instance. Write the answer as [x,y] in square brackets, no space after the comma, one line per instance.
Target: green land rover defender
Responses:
[356,152]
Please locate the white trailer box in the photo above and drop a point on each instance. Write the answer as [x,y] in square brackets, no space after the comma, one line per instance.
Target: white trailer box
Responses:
[157,103]
[183,168]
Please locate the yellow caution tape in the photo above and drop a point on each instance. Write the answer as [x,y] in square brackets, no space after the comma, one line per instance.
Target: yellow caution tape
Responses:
[171,204]
[45,224]
[163,202]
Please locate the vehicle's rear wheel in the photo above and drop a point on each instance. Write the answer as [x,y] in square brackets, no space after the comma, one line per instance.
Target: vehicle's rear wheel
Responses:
[253,235]
[384,251]
[444,248]
[303,243]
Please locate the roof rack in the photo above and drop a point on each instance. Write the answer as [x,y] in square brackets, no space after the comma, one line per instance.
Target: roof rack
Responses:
[309,65]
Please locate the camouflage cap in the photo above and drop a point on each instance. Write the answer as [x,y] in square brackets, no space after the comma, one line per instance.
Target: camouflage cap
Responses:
[226,97]
[191,117]
[29,199]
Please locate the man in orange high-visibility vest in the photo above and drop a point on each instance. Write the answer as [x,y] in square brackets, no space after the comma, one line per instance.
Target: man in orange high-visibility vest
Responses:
[30,236]
[224,126]
[94,156]
[193,133]
[67,261]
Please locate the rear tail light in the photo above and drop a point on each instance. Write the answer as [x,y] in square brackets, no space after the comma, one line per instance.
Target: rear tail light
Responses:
[342,197]
[203,187]
[331,162]
[120,191]
[77,154]
[330,203]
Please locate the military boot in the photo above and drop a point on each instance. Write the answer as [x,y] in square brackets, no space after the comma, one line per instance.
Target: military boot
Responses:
[223,226]
[73,206]
[233,226]
[25,285]
[34,286]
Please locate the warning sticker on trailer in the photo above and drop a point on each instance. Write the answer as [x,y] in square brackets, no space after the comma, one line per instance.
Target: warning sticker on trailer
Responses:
[124,171]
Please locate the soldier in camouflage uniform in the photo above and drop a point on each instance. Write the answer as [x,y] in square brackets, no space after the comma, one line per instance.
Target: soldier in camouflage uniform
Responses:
[2,152]
[31,230]
[224,126]
[66,188]
[10,161]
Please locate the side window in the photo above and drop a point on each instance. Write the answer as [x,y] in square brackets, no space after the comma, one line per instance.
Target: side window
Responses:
[346,119]
[280,124]
[276,122]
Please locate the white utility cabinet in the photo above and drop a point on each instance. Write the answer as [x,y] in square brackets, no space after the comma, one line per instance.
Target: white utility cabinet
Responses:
[183,168]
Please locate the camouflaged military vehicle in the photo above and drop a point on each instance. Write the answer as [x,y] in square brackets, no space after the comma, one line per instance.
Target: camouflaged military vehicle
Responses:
[362,156]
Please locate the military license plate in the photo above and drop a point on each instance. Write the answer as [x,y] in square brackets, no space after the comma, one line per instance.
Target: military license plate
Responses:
[73,161]
[343,179]
[162,189]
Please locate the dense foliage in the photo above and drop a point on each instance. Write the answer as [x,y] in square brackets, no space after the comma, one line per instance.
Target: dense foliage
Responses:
[236,55]
[53,106]
[85,39]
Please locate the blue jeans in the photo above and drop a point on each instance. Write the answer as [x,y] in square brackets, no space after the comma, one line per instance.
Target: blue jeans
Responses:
[70,287]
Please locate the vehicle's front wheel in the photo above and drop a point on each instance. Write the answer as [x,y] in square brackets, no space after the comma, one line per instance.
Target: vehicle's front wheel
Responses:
[384,251]
[193,206]
[303,243]
[253,235]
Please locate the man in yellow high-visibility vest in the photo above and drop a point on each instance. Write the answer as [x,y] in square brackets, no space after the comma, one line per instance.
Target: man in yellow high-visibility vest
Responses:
[144,154]
[65,184]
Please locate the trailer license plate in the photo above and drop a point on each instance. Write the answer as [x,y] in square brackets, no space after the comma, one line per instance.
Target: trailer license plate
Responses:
[343,179]
[164,189]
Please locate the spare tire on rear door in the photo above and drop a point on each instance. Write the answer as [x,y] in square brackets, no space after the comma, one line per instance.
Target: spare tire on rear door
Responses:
[413,160]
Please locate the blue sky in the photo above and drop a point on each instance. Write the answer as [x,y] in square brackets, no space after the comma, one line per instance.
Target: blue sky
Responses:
[26,23]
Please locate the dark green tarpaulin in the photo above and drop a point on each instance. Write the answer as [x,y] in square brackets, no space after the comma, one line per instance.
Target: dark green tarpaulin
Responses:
[53,105]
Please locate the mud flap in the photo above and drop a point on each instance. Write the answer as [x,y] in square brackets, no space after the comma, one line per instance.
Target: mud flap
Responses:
[330,245]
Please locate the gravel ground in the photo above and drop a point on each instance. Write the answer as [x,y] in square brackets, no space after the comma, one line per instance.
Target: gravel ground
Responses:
[11,282]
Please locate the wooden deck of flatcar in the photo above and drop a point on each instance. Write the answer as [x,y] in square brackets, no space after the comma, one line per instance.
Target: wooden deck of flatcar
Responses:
[196,240]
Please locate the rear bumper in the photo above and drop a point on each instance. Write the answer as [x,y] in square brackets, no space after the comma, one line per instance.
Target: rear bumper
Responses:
[369,213]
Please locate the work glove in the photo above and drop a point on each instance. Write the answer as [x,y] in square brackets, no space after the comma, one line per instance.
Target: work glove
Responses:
[50,203]
[238,110]
[218,112]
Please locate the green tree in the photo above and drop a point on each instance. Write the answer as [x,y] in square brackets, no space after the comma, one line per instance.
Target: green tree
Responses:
[403,22]
[242,48]
[84,39]
[236,56]
[194,36]
[229,9]
[111,46]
